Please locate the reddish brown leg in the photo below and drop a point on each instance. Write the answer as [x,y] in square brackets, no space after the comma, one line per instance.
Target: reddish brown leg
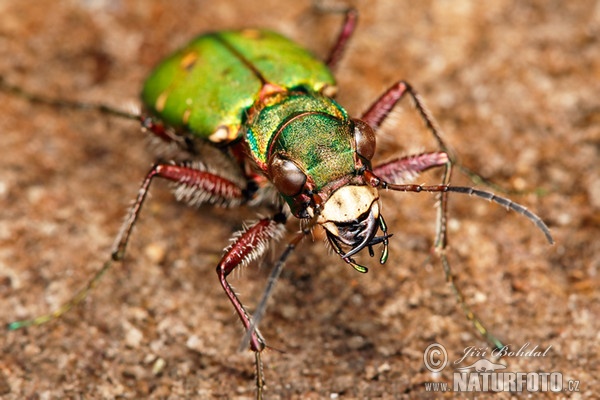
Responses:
[196,186]
[406,168]
[158,129]
[379,111]
[337,51]
[249,244]
[410,166]
[382,107]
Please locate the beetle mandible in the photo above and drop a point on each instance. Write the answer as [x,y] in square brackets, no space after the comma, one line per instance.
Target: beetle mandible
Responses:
[254,115]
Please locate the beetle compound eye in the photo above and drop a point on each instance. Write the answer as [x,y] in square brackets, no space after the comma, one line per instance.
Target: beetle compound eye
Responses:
[364,137]
[286,176]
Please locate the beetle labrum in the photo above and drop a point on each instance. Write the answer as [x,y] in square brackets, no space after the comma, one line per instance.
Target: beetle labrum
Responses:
[253,113]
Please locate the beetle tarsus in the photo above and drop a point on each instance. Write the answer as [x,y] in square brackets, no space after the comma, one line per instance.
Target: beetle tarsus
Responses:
[260,379]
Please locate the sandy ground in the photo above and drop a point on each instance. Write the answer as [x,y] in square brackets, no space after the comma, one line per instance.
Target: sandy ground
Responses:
[514,84]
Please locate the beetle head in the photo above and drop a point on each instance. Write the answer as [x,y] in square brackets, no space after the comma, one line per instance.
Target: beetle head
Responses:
[347,206]
[351,214]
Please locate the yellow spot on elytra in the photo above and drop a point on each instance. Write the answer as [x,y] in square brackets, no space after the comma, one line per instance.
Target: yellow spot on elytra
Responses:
[329,90]
[188,60]
[161,101]
[186,115]
[220,134]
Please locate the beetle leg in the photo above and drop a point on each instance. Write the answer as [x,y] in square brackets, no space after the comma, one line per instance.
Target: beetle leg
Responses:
[160,131]
[407,168]
[337,51]
[509,204]
[261,306]
[211,187]
[260,380]
[195,185]
[251,330]
[382,107]
[403,167]
[248,245]
[66,104]
[379,111]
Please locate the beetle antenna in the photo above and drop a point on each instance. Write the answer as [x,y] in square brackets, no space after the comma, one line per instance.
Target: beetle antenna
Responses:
[509,204]
[59,103]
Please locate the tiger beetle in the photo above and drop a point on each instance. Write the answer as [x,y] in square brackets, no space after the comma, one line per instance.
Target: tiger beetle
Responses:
[252,115]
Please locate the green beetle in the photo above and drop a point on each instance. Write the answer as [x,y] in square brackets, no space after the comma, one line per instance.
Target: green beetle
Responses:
[225,72]
[252,118]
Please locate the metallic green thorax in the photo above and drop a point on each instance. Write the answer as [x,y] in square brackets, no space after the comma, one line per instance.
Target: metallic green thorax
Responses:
[308,128]
[206,87]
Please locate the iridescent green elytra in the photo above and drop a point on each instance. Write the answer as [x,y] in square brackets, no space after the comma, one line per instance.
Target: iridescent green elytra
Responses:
[206,86]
